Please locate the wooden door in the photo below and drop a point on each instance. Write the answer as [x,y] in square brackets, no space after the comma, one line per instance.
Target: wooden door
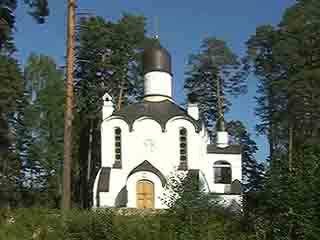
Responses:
[145,194]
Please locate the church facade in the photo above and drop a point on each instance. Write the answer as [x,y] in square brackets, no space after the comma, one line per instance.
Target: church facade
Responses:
[144,143]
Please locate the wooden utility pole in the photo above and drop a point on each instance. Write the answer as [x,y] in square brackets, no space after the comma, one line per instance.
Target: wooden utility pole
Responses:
[68,115]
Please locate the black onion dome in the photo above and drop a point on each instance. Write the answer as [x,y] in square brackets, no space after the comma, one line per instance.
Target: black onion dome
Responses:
[161,112]
[156,58]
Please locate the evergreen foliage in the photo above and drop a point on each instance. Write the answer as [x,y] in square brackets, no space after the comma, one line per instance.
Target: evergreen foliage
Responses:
[113,64]
[38,124]
[38,9]
[43,120]
[252,170]
[184,191]
[108,60]
[195,213]
[11,92]
[285,59]
[281,200]
[215,63]
[11,89]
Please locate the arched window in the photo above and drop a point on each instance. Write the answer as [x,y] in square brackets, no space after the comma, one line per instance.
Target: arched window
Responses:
[117,148]
[183,149]
[222,172]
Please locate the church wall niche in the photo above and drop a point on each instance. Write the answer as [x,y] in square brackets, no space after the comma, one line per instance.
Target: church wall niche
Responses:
[195,142]
[148,142]
[108,154]
[146,123]
[180,122]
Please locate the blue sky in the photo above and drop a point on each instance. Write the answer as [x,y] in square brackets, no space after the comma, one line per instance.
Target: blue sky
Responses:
[183,24]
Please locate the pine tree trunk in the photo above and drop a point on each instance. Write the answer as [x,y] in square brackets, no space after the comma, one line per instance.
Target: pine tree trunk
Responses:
[120,95]
[83,163]
[90,150]
[290,148]
[220,106]
[4,143]
[290,153]
[95,156]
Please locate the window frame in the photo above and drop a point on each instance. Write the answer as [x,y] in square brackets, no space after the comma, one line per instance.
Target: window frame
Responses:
[224,176]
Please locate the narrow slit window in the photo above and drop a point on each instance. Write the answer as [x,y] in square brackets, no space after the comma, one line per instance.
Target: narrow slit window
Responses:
[117,147]
[183,149]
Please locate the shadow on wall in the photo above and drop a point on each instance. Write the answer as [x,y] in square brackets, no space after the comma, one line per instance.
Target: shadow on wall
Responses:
[122,198]
[236,187]
[233,188]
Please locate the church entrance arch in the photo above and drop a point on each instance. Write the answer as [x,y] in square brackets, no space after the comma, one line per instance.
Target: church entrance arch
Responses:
[145,194]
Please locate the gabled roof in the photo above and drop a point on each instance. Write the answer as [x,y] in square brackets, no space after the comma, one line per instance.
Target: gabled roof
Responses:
[148,167]
[161,112]
[231,149]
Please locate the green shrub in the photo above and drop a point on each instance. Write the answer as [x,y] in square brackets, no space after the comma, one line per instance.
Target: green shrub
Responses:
[106,224]
[31,224]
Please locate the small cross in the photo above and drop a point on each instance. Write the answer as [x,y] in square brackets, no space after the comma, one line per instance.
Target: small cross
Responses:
[156,27]
[149,145]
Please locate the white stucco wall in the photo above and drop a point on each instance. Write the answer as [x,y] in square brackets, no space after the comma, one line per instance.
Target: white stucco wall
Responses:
[158,83]
[193,110]
[147,141]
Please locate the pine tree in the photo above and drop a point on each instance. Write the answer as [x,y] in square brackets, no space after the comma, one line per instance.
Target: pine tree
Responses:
[108,59]
[215,62]
[252,170]
[10,90]
[38,9]
[11,87]
[286,60]
[287,67]
[39,129]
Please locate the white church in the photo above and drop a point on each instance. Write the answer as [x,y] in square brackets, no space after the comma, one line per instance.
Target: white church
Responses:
[144,143]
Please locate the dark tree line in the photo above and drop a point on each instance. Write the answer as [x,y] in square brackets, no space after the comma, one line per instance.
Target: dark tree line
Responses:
[107,60]
[285,58]
[280,201]
[12,91]
[280,194]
